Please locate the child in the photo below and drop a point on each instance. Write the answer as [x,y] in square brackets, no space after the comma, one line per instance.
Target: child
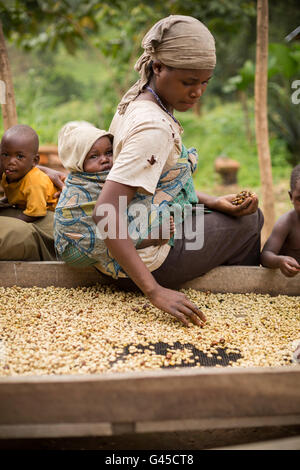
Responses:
[25,186]
[87,153]
[282,249]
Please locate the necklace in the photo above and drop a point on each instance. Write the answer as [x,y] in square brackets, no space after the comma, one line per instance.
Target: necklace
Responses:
[160,103]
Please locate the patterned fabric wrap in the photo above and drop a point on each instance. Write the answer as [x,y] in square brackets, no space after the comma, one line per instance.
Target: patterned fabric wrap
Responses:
[74,225]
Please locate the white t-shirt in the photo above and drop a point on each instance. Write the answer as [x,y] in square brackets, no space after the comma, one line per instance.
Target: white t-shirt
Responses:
[147,142]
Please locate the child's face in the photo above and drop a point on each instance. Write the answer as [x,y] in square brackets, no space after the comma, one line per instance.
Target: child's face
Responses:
[295,197]
[100,156]
[17,157]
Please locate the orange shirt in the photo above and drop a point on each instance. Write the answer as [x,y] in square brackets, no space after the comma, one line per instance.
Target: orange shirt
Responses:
[34,193]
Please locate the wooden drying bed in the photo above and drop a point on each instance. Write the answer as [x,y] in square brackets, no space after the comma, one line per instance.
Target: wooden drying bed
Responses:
[152,401]
[91,405]
[235,279]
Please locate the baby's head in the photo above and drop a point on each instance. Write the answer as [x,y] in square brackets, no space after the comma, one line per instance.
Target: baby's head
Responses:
[83,147]
[100,156]
[19,152]
[294,193]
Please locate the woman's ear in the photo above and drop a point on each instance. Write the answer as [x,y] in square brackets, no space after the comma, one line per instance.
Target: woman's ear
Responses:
[157,67]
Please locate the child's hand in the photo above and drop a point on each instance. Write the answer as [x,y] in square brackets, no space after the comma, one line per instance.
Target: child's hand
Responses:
[289,266]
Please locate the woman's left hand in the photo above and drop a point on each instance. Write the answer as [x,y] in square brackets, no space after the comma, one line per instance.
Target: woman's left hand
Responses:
[224,204]
[57,178]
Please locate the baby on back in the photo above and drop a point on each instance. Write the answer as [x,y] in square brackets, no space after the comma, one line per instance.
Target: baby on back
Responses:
[87,153]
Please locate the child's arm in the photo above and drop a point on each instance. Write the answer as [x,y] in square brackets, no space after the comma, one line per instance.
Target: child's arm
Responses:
[269,256]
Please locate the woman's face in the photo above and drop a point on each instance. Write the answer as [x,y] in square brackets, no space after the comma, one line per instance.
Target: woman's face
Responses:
[180,89]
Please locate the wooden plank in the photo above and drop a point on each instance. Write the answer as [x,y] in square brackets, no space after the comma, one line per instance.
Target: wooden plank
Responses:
[127,400]
[235,279]
[243,279]
[289,443]
[47,273]
[58,430]
[216,423]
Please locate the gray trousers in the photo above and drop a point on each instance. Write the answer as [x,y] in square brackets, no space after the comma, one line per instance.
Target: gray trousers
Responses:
[227,241]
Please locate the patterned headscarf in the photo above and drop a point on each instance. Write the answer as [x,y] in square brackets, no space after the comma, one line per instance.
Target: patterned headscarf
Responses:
[177,41]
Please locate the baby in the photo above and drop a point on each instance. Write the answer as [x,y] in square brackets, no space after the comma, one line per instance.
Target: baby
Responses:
[282,249]
[87,153]
[25,186]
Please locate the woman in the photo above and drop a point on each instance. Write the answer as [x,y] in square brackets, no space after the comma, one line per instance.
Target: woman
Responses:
[175,69]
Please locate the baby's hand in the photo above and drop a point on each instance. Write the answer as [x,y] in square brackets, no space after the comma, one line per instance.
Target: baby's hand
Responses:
[170,227]
[289,266]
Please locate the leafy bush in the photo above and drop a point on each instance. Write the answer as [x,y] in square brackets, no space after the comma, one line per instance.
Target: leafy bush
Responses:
[221,131]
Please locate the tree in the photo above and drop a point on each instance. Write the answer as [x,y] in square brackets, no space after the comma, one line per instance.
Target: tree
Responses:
[8,106]
[43,24]
[261,119]
[113,30]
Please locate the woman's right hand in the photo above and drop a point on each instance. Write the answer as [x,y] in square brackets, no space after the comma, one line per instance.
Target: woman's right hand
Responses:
[177,304]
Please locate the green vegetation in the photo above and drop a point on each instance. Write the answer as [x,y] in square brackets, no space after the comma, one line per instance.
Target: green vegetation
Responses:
[52,90]
[221,131]
[80,58]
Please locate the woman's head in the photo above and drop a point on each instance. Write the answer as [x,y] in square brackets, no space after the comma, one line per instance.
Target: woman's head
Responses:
[177,42]
[78,140]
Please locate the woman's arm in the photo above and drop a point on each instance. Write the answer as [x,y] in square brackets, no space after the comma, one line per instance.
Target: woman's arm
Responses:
[57,178]
[123,250]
